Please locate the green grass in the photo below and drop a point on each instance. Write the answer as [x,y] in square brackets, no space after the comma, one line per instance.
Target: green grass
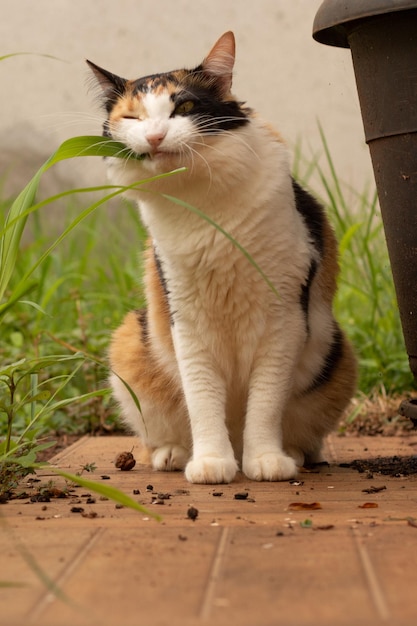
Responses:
[81,293]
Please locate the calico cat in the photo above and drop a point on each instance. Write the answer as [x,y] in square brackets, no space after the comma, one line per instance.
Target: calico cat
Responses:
[229,374]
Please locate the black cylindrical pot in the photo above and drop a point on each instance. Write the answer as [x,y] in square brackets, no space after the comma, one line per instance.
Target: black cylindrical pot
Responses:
[383,42]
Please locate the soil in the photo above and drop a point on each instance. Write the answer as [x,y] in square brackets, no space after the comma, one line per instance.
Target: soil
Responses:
[394,466]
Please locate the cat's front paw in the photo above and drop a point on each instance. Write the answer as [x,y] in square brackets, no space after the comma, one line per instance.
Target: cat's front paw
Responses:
[270,466]
[211,470]
[170,458]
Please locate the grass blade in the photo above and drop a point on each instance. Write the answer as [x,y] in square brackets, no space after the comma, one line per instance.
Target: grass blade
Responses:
[228,236]
[107,491]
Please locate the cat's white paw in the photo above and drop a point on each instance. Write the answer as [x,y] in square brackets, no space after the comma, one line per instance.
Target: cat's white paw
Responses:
[270,466]
[307,458]
[170,458]
[297,454]
[211,470]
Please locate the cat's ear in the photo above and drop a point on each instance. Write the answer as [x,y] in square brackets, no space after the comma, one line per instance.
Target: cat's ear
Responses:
[109,83]
[220,61]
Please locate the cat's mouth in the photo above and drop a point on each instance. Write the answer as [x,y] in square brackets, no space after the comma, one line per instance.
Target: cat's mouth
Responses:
[161,154]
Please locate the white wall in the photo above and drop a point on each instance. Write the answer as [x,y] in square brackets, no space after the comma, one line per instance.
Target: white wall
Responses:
[281,71]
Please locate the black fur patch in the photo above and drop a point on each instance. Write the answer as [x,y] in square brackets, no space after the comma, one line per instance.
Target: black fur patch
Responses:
[312,213]
[331,362]
[142,317]
[153,81]
[161,274]
[164,284]
[305,290]
[106,130]
[210,108]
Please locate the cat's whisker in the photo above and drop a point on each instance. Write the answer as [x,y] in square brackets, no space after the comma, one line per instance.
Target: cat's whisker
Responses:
[53,122]
[210,128]
[235,136]
[205,121]
[198,153]
[184,148]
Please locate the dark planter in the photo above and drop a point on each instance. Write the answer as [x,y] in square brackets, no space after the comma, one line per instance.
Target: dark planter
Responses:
[382,36]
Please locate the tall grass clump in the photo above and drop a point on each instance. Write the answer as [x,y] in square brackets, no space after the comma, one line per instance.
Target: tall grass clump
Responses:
[54,343]
[365,303]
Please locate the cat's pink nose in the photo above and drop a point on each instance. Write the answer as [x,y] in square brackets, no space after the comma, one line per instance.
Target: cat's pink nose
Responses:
[155,139]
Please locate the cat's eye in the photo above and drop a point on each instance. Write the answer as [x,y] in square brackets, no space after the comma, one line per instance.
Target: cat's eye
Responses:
[130,117]
[184,107]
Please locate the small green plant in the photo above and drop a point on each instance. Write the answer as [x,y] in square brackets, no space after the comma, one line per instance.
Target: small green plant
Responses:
[26,402]
[90,468]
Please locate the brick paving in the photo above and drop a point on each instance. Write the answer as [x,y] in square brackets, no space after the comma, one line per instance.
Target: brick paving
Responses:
[318,551]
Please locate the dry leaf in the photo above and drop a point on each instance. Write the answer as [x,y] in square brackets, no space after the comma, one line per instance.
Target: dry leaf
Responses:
[304,506]
[368,505]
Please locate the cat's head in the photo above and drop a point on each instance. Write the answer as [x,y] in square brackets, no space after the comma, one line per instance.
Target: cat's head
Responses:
[174,118]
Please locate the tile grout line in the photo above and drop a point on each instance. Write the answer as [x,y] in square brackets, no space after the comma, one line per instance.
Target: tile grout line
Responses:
[375,589]
[214,574]
[49,597]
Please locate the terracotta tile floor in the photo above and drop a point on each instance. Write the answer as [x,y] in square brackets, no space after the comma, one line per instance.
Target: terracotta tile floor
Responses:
[248,562]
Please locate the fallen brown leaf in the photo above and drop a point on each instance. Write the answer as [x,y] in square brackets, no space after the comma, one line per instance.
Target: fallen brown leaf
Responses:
[368,505]
[304,506]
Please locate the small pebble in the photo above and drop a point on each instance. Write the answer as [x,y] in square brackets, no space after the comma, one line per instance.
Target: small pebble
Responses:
[164,496]
[192,513]
[77,509]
